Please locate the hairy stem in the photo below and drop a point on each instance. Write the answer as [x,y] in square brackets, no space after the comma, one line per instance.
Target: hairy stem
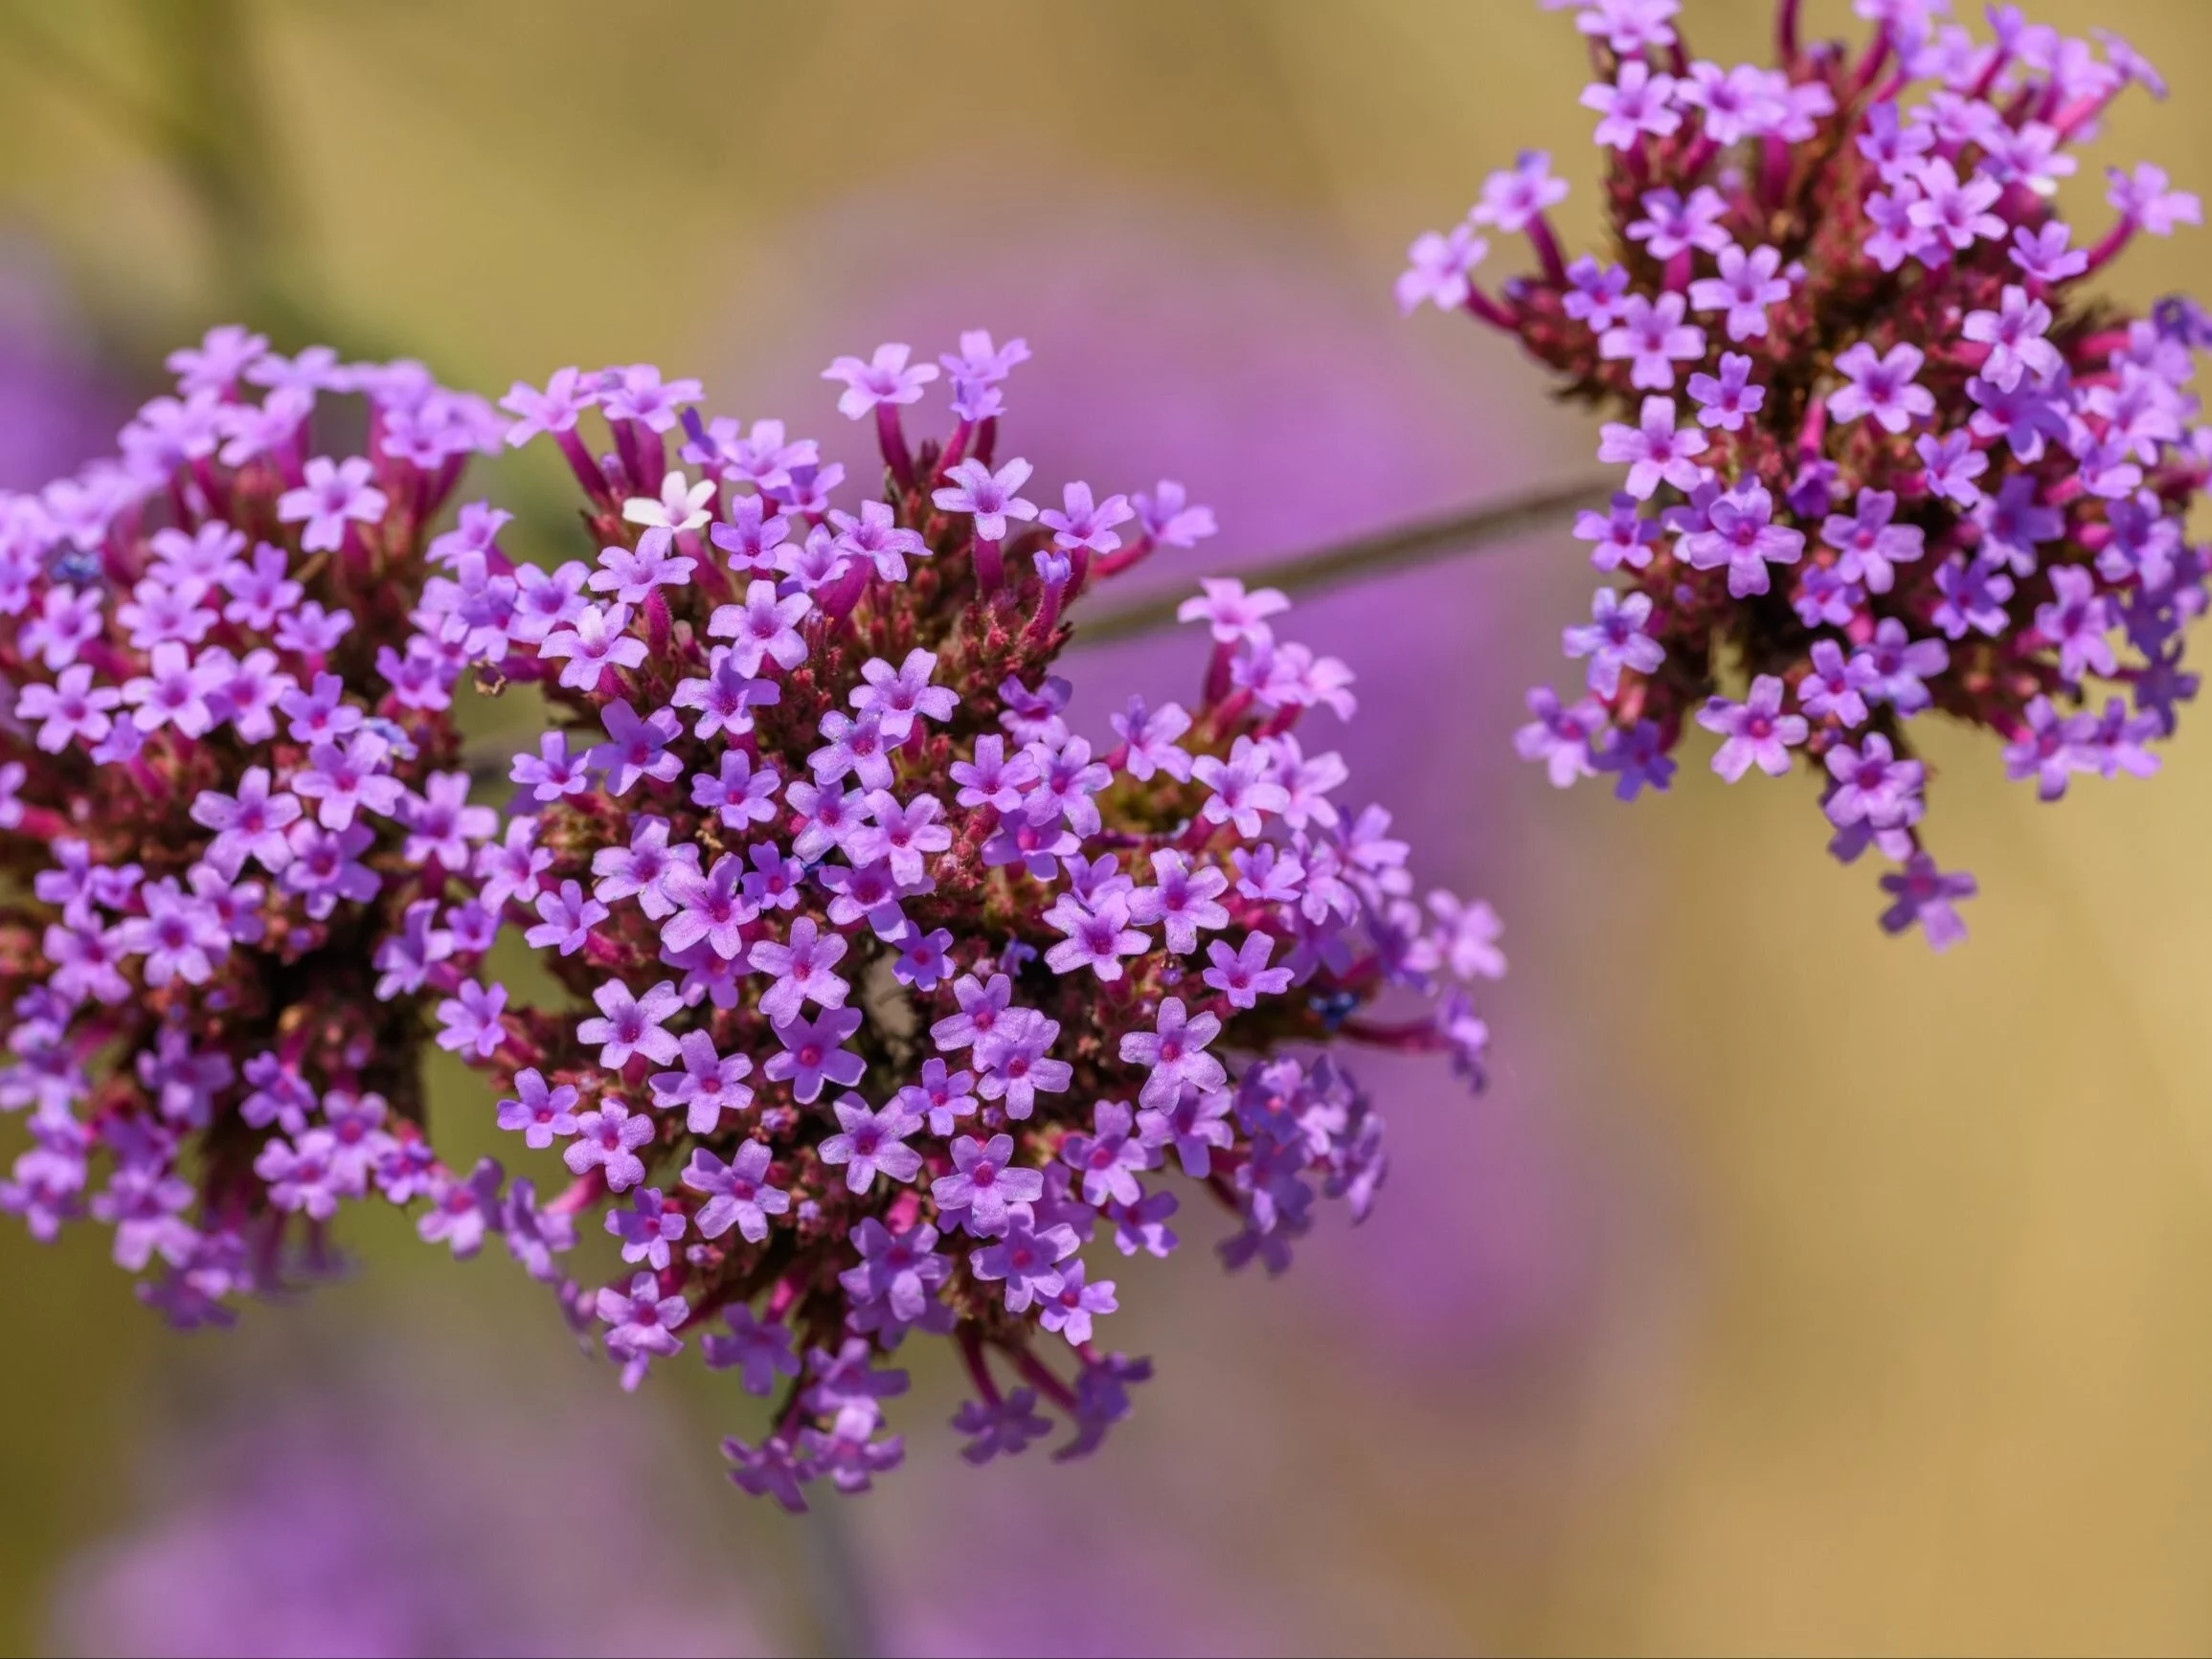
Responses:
[1403,548]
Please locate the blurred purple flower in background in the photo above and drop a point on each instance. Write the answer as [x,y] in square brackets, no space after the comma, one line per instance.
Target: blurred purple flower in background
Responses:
[58,405]
[346,1499]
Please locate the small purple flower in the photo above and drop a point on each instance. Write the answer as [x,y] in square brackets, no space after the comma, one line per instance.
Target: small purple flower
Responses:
[1242,975]
[759,1350]
[887,378]
[1098,936]
[647,1227]
[2014,334]
[607,1140]
[1740,533]
[1951,464]
[1614,639]
[249,824]
[1000,1426]
[629,1024]
[1025,1259]
[990,497]
[1638,103]
[1439,269]
[332,495]
[1171,518]
[764,626]
[983,1185]
[708,1085]
[1872,785]
[644,1321]
[1836,686]
[1174,1054]
[1872,546]
[1657,452]
[869,1141]
[2048,750]
[1953,210]
[2143,197]
[1756,732]
[1671,225]
[1109,1157]
[636,748]
[471,1019]
[540,1114]
[2076,620]
[1973,596]
[814,1052]
[1651,338]
[739,1192]
[567,920]
[1070,1309]
[898,697]
[1728,402]
[804,971]
[1512,197]
[1882,387]
[631,574]
[1745,288]
[1015,1060]
[710,907]
[1924,894]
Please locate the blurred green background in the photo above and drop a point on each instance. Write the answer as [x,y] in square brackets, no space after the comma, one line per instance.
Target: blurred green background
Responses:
[1818,1293]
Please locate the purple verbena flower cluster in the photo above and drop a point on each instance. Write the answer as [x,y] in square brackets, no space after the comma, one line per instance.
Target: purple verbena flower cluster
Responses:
[1886,449]
[236,830]
[892,994]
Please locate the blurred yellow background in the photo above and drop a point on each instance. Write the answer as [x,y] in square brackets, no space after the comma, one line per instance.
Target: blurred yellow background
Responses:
[1888,1307]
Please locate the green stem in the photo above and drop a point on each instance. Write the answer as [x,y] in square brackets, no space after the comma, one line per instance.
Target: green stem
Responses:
[1383,554]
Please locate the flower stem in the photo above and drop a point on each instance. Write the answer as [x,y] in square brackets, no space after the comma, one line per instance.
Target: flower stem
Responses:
[1403,548]
[836,1588]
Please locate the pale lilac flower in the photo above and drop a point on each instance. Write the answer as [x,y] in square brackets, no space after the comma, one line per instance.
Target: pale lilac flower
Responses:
[1882,386]
[540,1114]
[1741,534]
[814,1052]
[764,626]
[566,920]
[593,642]
[1512,197]
[869,1141]
[1439,267]
[1652,336]
[983,1185]
[887,378]
[2144,199]
[1638,103]
[1747,286]
[1655,451]
[607,1140]
[1756,732]
[636,748]
[333,495]
[740,1193]
[71,711]
[1614,639]
[1243,974]
[629,1024]
[708,1085]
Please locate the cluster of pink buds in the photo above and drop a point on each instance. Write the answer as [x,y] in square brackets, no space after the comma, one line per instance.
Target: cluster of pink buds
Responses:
[234,822]
[894,1000]
[1886,449]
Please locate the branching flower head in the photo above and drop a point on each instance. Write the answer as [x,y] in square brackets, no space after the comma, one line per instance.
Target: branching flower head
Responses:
[896,1005]
[235,821]
[1886,450]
